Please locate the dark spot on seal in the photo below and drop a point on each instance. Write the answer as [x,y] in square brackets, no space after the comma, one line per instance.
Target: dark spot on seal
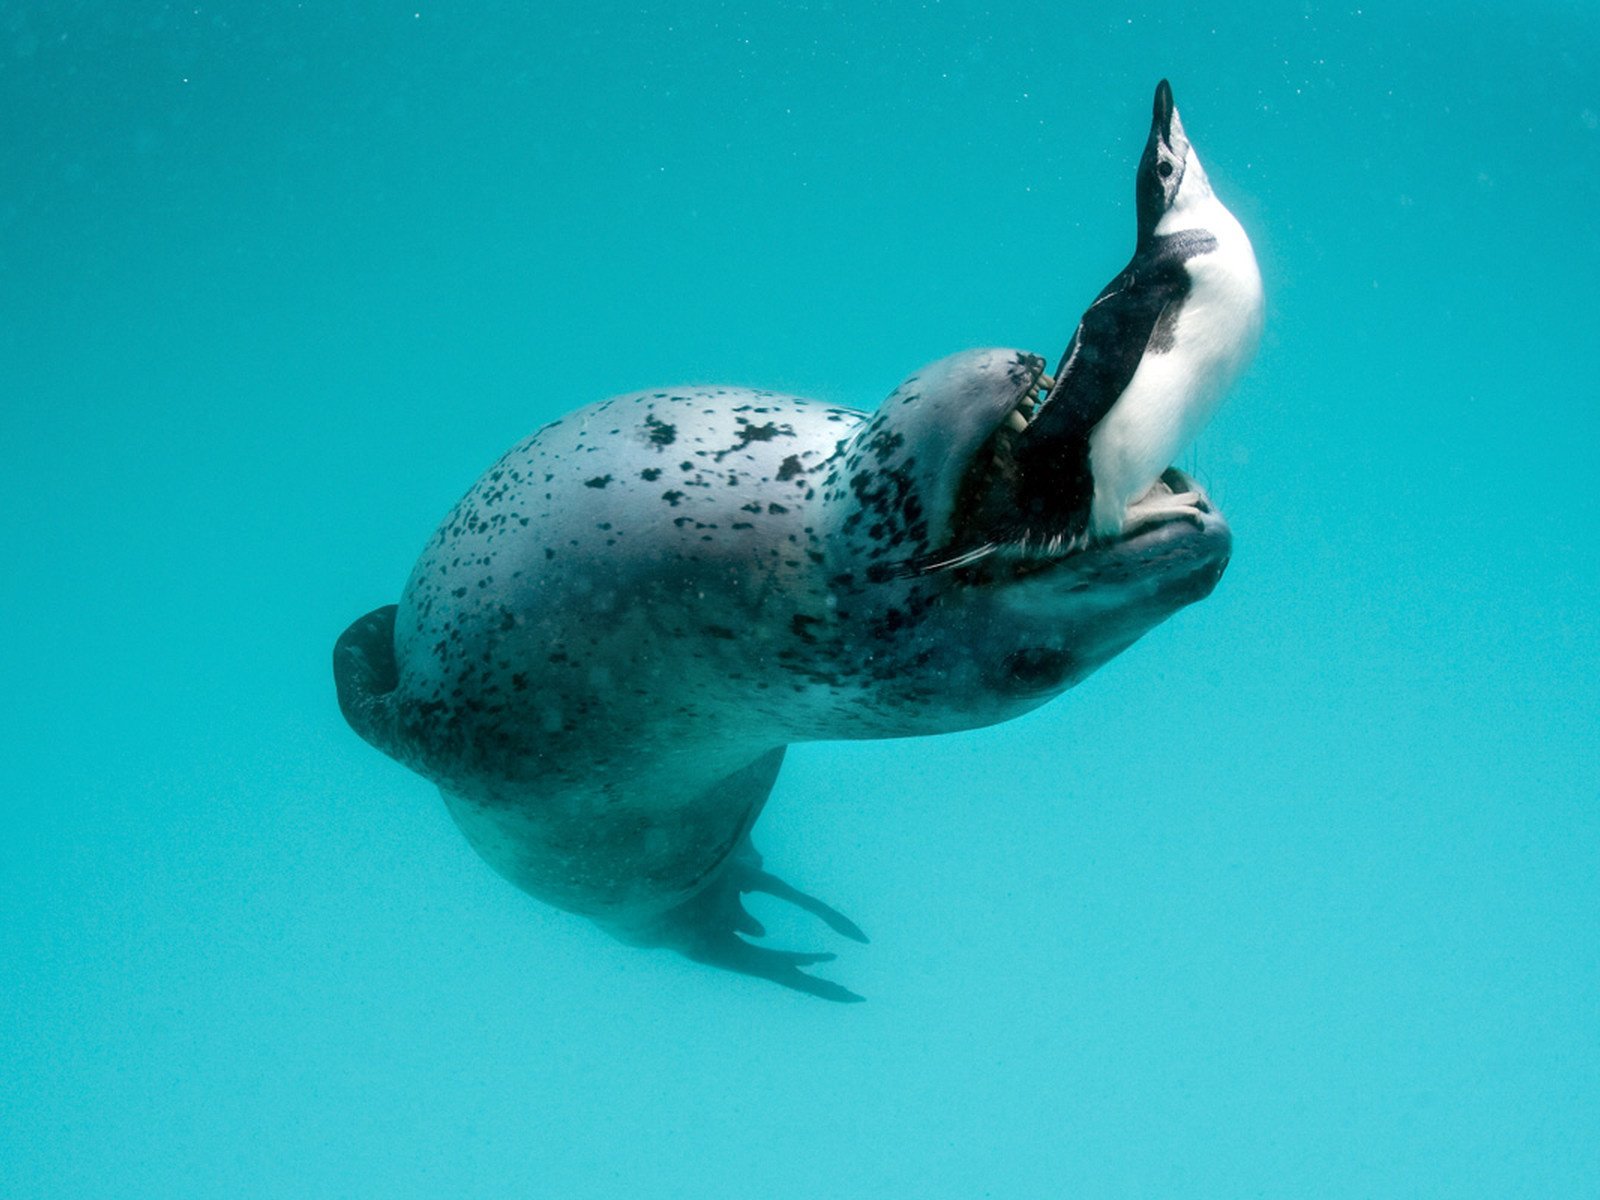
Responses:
[789,468]
[650,474]
[672,497]
[801,626]
[661,434]
[754,433]
[882,446]
[599,481]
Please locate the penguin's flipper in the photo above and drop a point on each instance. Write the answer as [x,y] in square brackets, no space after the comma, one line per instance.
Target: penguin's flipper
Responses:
[1105,352]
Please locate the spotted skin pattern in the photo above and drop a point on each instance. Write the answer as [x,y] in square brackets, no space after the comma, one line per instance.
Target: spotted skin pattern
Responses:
[606,646]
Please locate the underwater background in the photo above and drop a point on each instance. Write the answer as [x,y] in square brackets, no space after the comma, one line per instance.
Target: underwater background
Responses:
[1297,897]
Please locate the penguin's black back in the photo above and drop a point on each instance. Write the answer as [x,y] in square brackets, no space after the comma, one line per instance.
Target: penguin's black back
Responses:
[1133,315]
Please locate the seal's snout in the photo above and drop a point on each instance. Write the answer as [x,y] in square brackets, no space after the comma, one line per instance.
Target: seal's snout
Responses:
[1178,542]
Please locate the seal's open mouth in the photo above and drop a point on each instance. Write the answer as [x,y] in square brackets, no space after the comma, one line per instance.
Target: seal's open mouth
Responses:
[1005,509]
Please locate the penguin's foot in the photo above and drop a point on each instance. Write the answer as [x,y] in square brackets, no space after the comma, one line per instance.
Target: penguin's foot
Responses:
[1167,508]
[711,927]
[1161,504]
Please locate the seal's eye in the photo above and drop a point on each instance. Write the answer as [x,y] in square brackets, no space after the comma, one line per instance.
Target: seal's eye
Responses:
[1028,672]
[1164,169]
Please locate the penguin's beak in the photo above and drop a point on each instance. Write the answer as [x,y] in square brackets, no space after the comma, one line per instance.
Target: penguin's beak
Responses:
[1161,119]
[1166,126]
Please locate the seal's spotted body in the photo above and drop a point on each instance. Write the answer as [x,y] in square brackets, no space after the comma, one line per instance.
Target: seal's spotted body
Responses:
[605,648]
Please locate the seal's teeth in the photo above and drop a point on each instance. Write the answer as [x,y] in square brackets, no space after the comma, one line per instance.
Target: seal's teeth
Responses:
[1017,421]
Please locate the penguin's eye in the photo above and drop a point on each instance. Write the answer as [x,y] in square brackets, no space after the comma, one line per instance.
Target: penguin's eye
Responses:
[1164,169]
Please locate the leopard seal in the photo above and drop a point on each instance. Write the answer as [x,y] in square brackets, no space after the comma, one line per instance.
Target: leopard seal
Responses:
[603,652]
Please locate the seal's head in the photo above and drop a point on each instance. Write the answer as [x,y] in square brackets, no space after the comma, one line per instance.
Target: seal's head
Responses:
[955,592]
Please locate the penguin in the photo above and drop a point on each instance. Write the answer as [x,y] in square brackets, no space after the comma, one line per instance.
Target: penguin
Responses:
[1148,365]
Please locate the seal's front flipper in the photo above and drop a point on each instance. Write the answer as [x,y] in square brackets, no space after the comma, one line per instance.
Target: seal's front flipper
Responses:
[707,927]
[733,953]
[765,881]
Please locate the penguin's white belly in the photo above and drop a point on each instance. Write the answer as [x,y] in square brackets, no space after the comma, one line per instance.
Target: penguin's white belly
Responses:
[1176,391]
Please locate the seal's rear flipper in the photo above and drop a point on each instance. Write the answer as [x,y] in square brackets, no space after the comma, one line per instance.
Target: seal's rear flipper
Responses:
[365,676]
[707,927]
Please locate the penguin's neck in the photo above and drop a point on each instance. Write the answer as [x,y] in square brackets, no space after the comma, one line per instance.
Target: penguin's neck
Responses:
[1224,282]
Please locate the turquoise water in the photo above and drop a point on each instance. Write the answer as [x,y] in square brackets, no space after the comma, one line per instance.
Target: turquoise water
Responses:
[1296,898]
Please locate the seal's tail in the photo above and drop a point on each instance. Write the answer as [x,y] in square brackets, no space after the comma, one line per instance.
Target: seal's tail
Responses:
[365,676]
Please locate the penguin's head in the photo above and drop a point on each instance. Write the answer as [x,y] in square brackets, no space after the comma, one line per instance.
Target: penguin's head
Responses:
[1171,179]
